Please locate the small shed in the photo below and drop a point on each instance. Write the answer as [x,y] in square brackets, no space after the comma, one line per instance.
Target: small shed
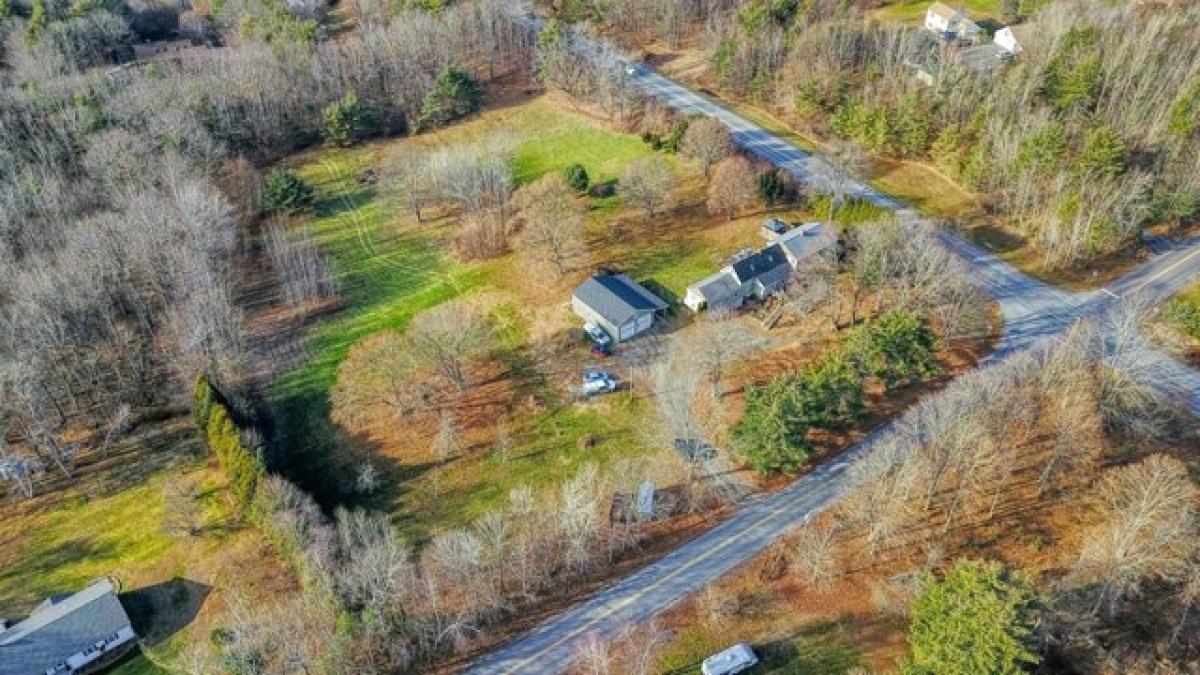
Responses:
[618,304]
[772,228]
[1014,39]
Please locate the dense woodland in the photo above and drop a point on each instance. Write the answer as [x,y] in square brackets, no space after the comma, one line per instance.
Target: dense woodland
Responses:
[132,194]
[125,194]
[1082,140]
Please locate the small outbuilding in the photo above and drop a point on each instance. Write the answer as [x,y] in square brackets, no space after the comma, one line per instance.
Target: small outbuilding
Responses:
[1014,39]
[618,304]
[78,633]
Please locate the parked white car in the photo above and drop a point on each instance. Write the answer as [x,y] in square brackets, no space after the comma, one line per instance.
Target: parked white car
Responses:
[598,382]
[733,660]
[597,335]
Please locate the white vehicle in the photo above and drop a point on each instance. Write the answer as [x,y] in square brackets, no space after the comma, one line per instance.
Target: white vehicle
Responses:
[733,660]
[597,334]
[631,69]
[598,382]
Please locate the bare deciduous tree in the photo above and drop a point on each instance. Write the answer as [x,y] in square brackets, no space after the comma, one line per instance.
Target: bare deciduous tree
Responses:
[648,182]
[706,141]
[450,335]
[553,225]
[1147,528]
[733,187]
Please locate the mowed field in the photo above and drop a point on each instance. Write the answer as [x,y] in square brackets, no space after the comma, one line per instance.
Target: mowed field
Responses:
[390,267]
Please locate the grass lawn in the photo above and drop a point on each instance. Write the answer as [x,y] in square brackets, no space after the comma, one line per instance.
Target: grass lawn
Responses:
[390,268]
[817,649]
[110,523]
[913,11]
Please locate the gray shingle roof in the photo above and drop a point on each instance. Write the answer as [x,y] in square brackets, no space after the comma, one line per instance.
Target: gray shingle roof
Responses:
[759,263]
[717,287]
[58,630]
[617,298]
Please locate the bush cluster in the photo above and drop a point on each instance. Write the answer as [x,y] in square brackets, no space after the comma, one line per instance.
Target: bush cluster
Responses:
[773,434]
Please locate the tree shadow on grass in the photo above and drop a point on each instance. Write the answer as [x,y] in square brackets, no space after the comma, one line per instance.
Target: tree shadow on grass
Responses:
[814,650]
[159,611]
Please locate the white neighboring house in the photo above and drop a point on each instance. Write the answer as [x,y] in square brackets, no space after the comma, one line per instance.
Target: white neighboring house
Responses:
[618,304]
[758,274]
[946,21]
[68,634]
[1013,39]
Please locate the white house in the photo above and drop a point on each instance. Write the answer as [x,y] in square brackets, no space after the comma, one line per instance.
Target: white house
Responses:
[618,304]
[68,634]
[1013,39]
[758,275]
[948,22]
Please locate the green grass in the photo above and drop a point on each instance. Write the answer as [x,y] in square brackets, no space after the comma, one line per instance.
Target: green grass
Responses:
[913,11]
[81,540]
[546,450]
[390,268]
[818,649]
[1183,311]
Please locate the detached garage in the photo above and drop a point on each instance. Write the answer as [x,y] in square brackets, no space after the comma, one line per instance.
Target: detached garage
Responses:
[618,304]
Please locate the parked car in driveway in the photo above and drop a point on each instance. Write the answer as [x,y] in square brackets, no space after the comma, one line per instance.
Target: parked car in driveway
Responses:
[597,335]
[598,382]
[733,660]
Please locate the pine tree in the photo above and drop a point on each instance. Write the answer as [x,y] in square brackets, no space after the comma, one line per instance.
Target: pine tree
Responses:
[979,619]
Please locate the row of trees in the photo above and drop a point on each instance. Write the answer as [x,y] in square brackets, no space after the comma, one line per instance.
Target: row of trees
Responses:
[773,433]
[372,604]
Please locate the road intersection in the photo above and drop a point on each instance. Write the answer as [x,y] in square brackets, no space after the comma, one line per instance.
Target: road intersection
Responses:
[1032,309]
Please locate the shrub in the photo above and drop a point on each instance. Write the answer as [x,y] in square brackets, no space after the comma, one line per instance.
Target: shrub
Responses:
[772,187]
[454,95]
[577,177]
[286,191]
[345,120]
[1185,314]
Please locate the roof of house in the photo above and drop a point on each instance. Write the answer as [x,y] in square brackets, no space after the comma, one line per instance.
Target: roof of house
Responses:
[617,298]
[1023,32]
[945,11]
[716,287]
[804,239]
[61,627]
[757,264]
[775,225]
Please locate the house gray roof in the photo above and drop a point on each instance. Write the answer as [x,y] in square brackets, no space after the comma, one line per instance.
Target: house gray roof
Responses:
[60,628]
[617,298]
[717,287]
[804,239]
[757,264]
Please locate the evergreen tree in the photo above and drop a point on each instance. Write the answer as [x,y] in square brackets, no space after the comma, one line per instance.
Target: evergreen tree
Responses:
[1185,113]
[454,95]
[38,19]
[577,177]
[978,619]
[285,191]
[897,347]
[345,120]
[1104,154]
[772,186]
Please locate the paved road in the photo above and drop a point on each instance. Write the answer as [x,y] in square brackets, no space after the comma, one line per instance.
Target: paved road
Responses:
[1032,309]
